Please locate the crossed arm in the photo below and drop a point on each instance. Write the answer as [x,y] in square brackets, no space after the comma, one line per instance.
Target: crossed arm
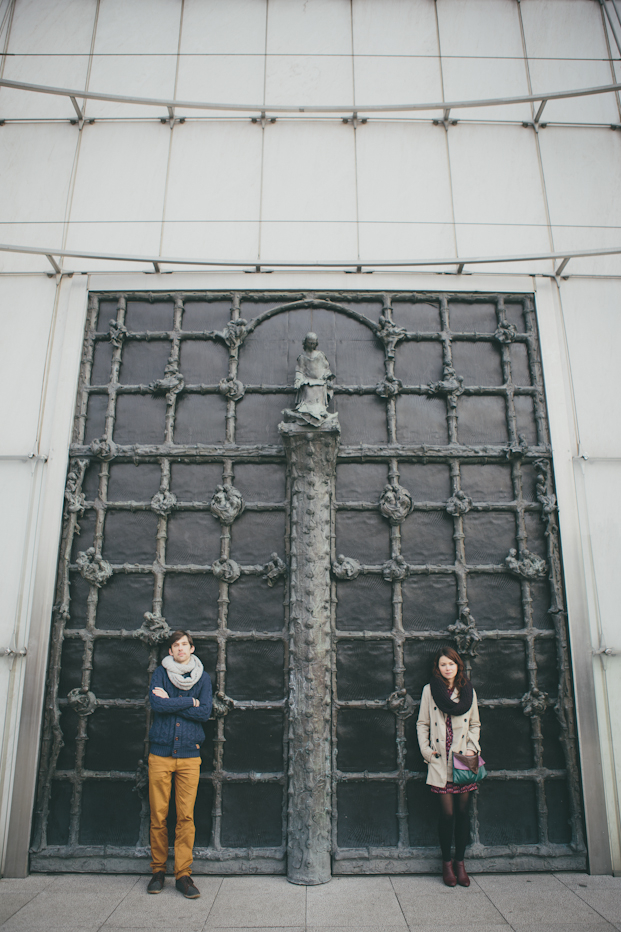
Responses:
[158,691]
[189,707]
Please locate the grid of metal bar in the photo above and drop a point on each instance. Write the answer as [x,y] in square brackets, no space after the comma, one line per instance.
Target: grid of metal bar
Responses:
[459,390]
[82,562]
[525,455]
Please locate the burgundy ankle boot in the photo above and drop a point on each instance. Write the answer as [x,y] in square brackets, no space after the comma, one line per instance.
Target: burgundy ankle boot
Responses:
[462,877]
[448,875]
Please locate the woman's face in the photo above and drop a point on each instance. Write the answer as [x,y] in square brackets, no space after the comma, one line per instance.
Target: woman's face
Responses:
[448,668]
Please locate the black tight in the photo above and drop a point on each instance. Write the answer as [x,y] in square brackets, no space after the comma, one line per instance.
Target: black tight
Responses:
[454,815]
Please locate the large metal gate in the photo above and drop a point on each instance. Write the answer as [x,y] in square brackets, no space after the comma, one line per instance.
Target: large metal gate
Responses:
[444,529]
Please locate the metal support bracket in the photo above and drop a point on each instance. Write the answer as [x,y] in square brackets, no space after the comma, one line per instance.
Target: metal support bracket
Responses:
[355,120]
[54,264]
[12,655]
[78,110]
[445,121]
[171,119]
[80,115]
[81,119]
[536,123]
[562,266]
[540,111]
[263,120]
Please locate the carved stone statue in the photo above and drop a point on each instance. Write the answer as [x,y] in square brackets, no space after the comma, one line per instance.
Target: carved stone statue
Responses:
[313,381]
[346,567]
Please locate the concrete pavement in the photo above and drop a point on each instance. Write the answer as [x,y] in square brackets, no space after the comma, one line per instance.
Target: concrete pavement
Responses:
[563,902]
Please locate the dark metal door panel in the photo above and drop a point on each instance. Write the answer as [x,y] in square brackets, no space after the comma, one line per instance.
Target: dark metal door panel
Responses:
[449,535]
[177,515]
[165,528]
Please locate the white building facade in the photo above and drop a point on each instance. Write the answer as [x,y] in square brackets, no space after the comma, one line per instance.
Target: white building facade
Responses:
[275,197]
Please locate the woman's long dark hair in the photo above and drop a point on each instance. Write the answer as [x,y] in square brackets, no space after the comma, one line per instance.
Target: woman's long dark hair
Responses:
[451,654]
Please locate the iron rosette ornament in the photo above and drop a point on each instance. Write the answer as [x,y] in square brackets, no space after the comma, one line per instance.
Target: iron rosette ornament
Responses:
[82,700]
[172,384]
[395,570]
[154,629]
[390,335]
[227,504]
[389,387]
[103,449]
[235,333]
[232,388]
[534,702]
[226,570]
[163,502]
[459,503]
[395,503]
[93,568]
[505,332]
[450,383]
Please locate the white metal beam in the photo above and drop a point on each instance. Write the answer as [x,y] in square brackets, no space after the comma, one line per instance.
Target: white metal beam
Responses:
[356,264]
[289,108]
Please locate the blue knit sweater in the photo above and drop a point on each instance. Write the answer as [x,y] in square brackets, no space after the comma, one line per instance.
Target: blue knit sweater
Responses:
[177,729]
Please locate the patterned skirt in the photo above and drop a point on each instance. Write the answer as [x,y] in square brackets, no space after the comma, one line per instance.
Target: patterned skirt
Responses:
[451,787]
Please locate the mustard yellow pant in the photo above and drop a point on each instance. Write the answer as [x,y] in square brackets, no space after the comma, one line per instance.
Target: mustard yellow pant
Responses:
[186,771]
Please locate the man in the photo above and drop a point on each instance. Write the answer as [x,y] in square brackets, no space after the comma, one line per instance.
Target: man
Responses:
[181,700]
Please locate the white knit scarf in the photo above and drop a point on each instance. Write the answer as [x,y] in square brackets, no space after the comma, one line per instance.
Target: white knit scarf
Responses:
[178,672]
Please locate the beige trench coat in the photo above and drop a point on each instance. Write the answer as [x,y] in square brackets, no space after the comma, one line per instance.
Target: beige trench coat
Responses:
[431,728]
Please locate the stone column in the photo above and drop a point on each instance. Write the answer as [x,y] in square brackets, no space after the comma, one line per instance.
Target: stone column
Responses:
[311,457]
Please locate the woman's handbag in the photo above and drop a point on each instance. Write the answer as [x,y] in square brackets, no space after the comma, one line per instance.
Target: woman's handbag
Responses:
[468,768]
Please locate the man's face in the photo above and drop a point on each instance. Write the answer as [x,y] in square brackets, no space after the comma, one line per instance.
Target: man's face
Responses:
[311,344]
[181,650]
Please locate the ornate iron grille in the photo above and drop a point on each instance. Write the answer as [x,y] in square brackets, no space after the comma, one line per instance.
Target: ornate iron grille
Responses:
[155,536]
[446,528]
[447,533]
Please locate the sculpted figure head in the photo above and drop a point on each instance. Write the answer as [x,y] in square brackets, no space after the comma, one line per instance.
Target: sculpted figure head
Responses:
[311,342]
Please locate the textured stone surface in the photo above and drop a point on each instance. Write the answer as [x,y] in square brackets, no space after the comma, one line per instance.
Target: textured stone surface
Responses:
[102,903]
[311,455]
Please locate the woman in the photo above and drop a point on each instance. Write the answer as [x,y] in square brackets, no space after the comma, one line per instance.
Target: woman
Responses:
[449,721]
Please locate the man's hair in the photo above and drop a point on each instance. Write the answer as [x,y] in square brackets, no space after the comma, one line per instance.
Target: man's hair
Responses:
[177,635]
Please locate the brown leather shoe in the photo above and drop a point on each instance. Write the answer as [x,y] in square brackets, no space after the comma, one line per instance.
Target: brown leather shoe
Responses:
[185,885]
[462,877]
[448,874]
[156,884]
